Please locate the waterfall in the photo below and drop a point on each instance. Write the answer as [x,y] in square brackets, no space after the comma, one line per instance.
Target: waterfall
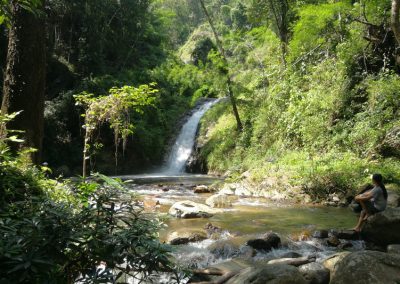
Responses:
[184,143]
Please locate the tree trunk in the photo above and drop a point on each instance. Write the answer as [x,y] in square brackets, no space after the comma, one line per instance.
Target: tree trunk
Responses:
[24,80]
[395,22]
[228,79]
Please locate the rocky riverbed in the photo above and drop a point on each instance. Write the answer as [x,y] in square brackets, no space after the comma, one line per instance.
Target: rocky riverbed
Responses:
[230,236]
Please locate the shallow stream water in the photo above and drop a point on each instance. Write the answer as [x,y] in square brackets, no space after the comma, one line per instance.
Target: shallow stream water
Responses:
[248,218]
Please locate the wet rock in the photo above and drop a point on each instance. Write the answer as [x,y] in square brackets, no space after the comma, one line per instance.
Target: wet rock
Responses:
[333,241]
[266,243]
[224,249]
[247,252]
[296,261]
[373,246]
[345,245]
[291,254]
[367,267]
[201,189]
[320,234]
[315,273]
[393,199]
[185,237]
[165,189]
[331,262]
[275,273]
[393,249]
[302,236]
[219,201]
[189,209]
[213,232]
[346,234]
[383,228]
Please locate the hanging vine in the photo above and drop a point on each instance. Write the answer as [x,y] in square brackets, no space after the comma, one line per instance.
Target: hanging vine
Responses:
[114,110]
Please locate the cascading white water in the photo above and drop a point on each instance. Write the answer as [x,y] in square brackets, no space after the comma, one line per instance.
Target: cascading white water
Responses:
[184,143]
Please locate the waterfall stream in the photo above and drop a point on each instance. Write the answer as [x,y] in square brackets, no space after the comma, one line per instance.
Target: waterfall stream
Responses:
[184,143]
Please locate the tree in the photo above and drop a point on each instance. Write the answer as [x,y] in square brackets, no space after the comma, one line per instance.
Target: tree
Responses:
[228,78]
[113,109]
[279,13]
[24,80]
[395,22]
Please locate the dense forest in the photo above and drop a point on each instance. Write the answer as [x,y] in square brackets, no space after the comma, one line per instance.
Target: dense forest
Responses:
[309,102]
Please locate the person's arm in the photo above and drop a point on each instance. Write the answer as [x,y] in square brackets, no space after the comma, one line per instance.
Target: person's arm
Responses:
[365,196]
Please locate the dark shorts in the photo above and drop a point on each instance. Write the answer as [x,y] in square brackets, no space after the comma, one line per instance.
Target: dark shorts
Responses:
[370,207]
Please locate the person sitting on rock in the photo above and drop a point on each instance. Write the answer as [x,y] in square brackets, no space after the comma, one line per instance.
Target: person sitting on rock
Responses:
[372,201]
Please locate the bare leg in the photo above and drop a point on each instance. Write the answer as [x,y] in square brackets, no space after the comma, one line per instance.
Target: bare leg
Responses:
[361,220]
[364,207]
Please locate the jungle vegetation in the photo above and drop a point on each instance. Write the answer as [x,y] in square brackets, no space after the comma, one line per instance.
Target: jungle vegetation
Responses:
[314,88]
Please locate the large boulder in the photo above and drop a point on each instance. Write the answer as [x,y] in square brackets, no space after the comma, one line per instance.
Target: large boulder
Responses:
[383,228]
[238,189]
[393,199]
[266,243]
[332,262]
[315,273]
[189,209]
[346,234]
[219,201]
[366,267]
[274,273]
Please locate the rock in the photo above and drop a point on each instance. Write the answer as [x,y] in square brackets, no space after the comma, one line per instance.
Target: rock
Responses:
[275,273]
[267,242]
[355,206]
[228,189]
[331,262]
[213,232]
[189,209]
[346,234]
[393,199]
[224,249]
[297,261]
[241,190]
[345,245]
[315,273]
[393,249]
[320,234]
[184,237]
[383,228]
[367,267]
[234,265]
[201,189]
[333,241]
[390,145]
[219,201]
[302,236]
[291,254]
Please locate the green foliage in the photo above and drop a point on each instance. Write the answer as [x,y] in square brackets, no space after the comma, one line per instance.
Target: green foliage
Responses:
[318,31]
[321,122]
[30,5]
[43,240]
[61,232]
[114,110]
